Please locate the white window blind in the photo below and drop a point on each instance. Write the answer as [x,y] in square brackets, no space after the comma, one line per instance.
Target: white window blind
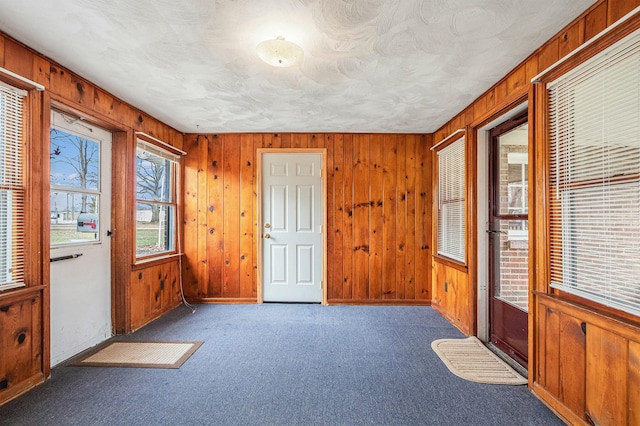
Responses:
[11,188]
[450,227]
[594,123]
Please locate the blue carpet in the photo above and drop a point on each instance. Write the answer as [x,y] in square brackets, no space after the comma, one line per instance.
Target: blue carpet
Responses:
[279,364]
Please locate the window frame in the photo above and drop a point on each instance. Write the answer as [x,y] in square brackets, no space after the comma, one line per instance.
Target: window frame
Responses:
[565,184]
[445,147]
[15,189]
[172,238]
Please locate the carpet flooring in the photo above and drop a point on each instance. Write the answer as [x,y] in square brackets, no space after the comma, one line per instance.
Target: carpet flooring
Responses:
[284,364]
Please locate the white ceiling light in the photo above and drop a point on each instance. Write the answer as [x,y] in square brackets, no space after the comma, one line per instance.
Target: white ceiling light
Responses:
[279,52]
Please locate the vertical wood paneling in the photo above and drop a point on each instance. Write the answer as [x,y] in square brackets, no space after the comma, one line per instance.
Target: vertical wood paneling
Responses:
[190,225]
[247,167]
[618,8]
[423,219]
[401,216]
[2,43]
[376,203]
[570,39]
[410,248]
[549,54]
[214,207]
[347,288]
[299,140]
[336,234]
[231,232]
[329,173]
[595,21]
[376,234]
[606,384]
[572,363]
[552,352]
[18,59]
[20,340]
[389,167]
[361,205]
[202,214]
[634,383]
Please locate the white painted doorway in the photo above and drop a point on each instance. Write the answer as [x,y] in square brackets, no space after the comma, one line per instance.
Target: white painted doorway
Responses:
[292,222]
[80,223]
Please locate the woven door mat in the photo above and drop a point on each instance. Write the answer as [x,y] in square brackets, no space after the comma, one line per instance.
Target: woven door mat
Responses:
[471,360]
[147,354]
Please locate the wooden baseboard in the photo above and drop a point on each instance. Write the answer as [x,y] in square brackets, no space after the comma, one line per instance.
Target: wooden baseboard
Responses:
[454,321]
[378,302]
[224,300]
[19,389]
[555,405]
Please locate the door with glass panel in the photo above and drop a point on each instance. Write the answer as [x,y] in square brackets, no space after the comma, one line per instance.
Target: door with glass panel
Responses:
[80,223]
[508,242]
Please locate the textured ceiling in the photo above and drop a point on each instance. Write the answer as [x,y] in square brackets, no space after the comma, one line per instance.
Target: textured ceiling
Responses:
[398,66]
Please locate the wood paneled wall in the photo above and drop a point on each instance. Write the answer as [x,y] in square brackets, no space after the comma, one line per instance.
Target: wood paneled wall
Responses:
[576,373]
[155,290]
[378,207]
[589,364]
[24,313]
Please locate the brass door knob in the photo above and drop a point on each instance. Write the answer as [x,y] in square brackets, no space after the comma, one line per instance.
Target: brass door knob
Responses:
[267,236]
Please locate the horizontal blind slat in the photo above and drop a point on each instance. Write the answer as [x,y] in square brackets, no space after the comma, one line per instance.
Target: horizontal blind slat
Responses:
[594,135]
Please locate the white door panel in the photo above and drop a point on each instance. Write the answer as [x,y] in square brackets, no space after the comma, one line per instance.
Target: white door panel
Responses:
[292,219]
[80,283]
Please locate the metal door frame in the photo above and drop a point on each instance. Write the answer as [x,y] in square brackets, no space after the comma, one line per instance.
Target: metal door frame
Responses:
[493,212]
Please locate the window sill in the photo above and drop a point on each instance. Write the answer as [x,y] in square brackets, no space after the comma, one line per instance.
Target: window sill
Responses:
[595,315]
[146,263]
[451,263]
[20,293]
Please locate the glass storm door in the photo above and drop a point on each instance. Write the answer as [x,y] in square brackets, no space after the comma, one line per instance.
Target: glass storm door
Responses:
[508,241]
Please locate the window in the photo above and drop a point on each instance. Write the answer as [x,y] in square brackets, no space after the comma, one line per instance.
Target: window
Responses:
[451,206]
[74,197]
[594,182]
[11,188]
[155,200]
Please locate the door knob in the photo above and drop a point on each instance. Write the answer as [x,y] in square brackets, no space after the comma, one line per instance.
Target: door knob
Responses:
[267,236]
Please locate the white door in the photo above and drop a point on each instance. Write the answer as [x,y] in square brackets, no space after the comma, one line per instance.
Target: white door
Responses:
[292,227]
[80,202]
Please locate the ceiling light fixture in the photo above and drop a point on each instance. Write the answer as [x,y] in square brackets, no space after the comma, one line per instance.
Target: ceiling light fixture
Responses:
[279,52]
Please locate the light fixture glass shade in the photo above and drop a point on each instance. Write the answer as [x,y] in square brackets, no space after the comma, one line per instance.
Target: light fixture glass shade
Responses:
[279,52]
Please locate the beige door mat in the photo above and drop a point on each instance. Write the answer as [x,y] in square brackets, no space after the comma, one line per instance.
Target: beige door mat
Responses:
[140,354]
[470,359]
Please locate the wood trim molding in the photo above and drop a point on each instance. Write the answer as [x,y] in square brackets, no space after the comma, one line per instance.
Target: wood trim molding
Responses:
[450,263]
[448,140]
[602,39]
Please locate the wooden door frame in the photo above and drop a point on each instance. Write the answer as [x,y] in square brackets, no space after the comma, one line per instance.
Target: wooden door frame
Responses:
[259,227]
